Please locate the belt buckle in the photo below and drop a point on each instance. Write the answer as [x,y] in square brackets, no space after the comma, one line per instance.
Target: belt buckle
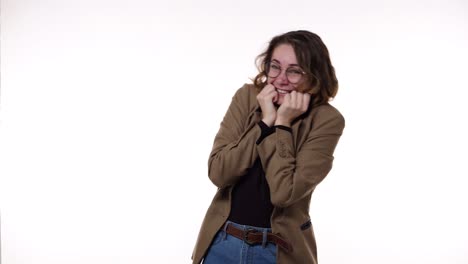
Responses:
[246,236]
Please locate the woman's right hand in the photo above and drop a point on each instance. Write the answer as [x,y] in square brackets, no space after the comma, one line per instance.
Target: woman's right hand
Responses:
[267,96]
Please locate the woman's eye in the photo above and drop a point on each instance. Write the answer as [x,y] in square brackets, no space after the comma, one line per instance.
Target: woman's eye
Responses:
[275,67]
[295,71]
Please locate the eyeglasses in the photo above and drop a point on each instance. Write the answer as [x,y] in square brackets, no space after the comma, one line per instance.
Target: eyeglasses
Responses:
[294,74]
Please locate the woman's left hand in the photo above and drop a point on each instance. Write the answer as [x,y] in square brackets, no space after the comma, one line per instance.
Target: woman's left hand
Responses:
[294,104]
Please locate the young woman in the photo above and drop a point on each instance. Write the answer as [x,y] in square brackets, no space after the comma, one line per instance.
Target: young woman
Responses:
[274,145]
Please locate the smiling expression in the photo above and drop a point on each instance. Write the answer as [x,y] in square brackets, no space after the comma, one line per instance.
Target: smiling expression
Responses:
[284,57]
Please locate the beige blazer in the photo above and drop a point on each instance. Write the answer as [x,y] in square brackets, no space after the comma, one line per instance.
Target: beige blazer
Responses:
[294,163]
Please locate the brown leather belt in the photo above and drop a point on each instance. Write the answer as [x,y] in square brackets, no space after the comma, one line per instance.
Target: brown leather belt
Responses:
[252,237]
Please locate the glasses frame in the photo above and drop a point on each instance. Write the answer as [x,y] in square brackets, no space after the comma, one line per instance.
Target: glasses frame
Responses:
[267,71]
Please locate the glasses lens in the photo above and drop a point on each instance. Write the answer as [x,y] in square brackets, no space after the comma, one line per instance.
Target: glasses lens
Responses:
[294,75]
[273,70]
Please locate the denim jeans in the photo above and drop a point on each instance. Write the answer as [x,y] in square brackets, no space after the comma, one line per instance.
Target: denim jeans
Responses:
[227,249]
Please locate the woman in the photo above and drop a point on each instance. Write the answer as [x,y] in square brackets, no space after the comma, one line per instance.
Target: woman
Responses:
[274,145]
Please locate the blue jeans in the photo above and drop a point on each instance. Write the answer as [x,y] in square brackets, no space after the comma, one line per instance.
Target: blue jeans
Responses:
[227,249]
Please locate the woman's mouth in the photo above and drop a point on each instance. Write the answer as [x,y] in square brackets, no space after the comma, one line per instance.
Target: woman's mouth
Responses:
[283,91]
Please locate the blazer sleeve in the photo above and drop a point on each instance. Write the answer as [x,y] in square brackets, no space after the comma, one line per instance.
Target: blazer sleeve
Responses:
[293,175]
[234,149]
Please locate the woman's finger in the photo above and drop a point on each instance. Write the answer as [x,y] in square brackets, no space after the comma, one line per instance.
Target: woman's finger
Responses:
[305,102]
[294,99]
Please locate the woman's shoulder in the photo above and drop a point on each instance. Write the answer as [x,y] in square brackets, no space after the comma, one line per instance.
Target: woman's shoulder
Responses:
[247,90]
[326,109]
[326,113]
[247,95]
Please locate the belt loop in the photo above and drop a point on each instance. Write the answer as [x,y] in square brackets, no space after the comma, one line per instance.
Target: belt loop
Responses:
[264,240]
[224,230]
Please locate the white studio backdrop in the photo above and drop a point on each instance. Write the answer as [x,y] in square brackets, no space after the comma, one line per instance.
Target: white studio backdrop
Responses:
[109,109]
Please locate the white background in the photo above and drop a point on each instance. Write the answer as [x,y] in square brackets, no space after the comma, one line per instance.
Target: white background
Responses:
[109,109]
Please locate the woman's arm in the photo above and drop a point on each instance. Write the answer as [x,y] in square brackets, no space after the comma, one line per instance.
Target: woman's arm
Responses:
[234,149]
[292,176]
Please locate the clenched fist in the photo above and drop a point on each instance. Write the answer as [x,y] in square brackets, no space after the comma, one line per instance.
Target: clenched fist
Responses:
[294,104]
[266,99]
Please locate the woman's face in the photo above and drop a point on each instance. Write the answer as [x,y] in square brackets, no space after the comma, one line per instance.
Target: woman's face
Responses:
[284,59]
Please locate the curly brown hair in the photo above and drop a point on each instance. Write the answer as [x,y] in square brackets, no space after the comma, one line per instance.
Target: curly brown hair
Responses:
[314,59]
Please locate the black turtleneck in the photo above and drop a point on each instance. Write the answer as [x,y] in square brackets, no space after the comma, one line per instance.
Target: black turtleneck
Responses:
[250,203]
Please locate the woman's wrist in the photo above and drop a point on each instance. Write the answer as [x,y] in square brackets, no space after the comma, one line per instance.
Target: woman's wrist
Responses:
[280,122]
[269,122]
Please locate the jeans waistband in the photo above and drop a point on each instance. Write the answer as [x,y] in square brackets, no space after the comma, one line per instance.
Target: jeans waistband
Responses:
[248,227]
[264,230]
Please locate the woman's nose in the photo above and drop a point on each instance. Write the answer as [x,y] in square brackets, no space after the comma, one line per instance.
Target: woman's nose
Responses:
[282,77]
